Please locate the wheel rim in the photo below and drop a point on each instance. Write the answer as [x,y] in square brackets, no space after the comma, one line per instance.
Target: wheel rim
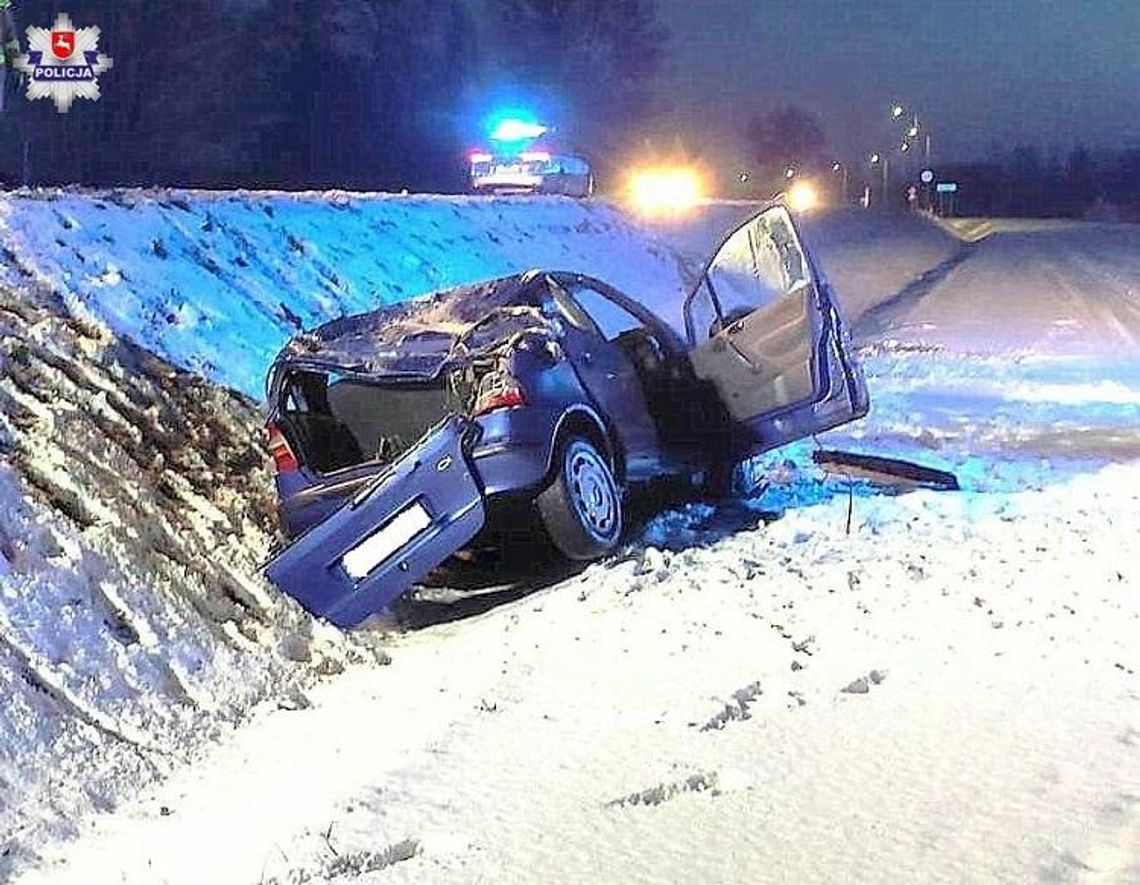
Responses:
[592,492]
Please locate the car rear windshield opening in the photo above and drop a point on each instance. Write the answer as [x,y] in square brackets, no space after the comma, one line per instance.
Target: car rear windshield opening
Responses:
[334,422]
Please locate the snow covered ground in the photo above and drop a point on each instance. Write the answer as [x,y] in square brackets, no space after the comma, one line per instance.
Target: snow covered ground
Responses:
[944,691]
[945,695]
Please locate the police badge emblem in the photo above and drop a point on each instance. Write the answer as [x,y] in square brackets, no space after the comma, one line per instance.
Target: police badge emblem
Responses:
[63,63]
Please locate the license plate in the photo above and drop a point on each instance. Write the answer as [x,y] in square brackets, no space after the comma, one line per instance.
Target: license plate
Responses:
[377,547]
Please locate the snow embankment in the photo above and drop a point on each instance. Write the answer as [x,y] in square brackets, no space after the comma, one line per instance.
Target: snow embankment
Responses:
[217,282]
[135,508]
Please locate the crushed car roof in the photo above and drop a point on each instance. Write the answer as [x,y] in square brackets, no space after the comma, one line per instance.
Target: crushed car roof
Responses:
[417,337]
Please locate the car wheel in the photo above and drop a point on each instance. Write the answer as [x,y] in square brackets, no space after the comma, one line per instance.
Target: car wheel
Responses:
[581,508]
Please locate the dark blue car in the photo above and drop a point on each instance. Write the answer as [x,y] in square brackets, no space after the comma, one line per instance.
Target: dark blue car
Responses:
[399,434]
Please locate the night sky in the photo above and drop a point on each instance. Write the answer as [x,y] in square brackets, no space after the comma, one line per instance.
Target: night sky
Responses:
[1046,72]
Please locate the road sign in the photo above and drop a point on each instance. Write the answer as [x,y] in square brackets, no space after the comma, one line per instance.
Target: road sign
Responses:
[927,176]
[947,187]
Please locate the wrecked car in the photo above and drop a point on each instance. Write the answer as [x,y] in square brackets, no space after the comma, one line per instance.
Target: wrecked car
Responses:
[397,435]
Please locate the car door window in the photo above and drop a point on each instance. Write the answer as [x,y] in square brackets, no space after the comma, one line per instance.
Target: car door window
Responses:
[756,266]
[610,318]
[760,265]
[567,308]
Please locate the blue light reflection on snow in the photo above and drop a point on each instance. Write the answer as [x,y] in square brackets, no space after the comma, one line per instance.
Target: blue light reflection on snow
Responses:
[999,425]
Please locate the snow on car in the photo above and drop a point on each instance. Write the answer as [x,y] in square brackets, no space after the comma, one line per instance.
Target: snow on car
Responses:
[398,435]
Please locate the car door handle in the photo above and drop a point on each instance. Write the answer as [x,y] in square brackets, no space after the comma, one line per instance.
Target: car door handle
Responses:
[610,376]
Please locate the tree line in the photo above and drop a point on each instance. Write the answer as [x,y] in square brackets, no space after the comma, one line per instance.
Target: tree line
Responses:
[1025,181]
[383,94]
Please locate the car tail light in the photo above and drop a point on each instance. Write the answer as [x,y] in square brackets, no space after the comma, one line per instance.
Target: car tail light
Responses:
[283,458]
[497,390]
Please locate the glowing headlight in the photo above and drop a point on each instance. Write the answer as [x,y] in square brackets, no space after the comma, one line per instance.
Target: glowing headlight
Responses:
[665,189]
[802,197]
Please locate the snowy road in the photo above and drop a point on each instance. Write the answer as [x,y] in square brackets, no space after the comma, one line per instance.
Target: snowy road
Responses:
[947,693]
[1069,289]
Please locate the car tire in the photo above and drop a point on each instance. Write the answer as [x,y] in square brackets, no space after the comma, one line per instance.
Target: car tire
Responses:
[581,508]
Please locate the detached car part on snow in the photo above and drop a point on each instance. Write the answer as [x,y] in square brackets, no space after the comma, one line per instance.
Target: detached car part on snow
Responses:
[397,433]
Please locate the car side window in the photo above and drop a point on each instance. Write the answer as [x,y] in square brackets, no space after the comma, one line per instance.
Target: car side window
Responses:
[758,265]
[568,308]
[611,318]
[746,274]
[572,165]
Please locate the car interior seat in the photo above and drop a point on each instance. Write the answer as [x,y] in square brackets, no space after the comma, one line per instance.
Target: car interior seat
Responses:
[644,351]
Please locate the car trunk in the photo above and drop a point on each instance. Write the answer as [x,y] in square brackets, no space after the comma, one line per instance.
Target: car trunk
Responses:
[390,533]
[334,422]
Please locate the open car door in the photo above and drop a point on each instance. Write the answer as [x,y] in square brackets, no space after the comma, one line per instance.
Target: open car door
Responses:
[763,328]
[417,513]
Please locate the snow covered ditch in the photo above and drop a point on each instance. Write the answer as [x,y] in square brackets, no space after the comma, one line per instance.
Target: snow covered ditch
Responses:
[135,508]
[135,501]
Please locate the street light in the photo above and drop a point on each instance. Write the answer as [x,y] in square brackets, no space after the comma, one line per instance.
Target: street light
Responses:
[841,167]
[915,129]
[878,159]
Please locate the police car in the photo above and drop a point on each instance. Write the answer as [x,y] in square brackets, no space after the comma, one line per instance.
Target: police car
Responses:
[531,172]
